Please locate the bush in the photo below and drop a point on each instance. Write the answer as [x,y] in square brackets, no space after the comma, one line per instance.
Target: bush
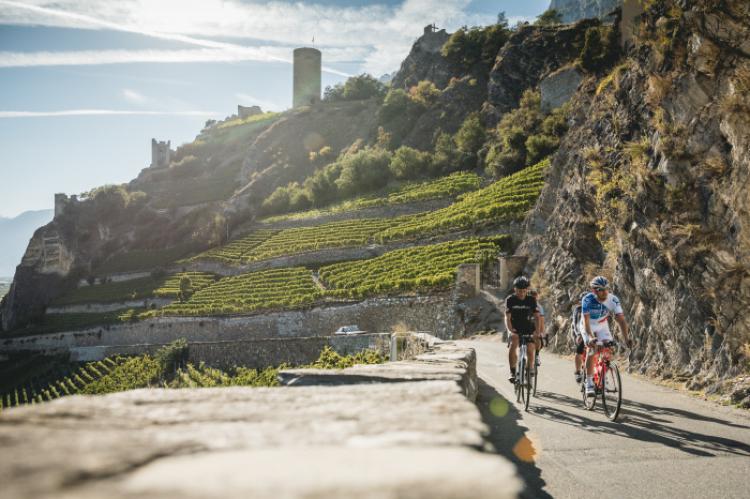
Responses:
[471,136]
[363,171]
[359,87]
[599,51]
[549,17]
[425,93]
[409,163]
[447,157]
[540,146]
[469,46]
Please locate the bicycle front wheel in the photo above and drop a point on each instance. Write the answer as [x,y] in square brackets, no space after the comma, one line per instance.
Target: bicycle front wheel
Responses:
[521,380]
[527,384]
[612,392]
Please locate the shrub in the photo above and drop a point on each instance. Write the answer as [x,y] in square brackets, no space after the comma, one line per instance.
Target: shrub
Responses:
[471,136]
[447,157]
[540,146]
[425,93]
[364,171]
[408,163]
[359,87]
[469,46]
[549,17]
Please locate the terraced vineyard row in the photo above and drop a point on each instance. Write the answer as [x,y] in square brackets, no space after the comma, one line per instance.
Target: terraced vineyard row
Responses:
[236,251]
[271,289]
[505,200]
[136,289]
[75,382]
[451,185]
[419,268]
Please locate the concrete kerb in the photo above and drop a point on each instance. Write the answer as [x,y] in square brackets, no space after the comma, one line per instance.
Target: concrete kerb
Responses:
[441,360]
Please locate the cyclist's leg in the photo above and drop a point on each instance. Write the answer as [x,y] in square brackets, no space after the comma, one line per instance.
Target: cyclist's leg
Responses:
[531,353]
[513,355]
[580,348]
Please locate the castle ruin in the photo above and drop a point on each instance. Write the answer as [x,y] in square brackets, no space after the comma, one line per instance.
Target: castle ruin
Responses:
[246,112]
[160,154]
[307,76]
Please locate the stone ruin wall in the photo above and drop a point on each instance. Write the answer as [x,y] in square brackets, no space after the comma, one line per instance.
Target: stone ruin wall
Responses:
[435,314]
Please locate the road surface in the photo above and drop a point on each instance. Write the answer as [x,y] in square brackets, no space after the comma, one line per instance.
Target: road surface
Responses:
[664,444]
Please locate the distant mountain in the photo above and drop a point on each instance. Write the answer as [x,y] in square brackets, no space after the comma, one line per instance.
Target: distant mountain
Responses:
[14,237]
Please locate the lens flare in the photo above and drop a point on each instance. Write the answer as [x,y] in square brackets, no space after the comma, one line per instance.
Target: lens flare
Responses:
[524,450]
[499,407]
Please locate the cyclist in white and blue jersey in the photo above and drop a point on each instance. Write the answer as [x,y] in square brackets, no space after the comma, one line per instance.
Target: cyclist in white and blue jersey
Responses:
[596,308]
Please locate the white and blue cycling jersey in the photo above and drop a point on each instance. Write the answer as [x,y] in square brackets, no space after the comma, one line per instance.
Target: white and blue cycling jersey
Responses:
[598,315]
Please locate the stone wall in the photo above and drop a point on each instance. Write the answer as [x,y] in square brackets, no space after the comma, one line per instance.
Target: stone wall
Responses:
[255,354]
[435,314]
[92,308]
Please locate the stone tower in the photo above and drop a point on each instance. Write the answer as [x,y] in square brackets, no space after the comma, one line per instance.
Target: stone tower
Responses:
[307,82]
[160,154]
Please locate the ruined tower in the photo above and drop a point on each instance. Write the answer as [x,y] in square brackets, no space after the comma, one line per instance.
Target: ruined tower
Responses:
[307,82]
[160,154]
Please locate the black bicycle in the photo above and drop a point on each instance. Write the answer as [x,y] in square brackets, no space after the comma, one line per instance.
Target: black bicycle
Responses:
[524,382]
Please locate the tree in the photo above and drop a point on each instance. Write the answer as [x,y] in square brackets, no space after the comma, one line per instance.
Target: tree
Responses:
[549,17]
[186,288]
[425,93]
[502,19]
[409,163]
[447,157]
[592,53]
[363,171]
[471,136]
[359,87]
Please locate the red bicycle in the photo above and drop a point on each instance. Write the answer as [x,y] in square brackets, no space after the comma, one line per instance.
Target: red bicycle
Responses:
[607,382]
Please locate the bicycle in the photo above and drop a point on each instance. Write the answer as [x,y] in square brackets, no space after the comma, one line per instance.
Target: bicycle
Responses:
[523,383]
[607,381]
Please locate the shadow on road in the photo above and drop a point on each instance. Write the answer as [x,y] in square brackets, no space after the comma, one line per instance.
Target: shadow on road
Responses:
[509,438]
[646,423]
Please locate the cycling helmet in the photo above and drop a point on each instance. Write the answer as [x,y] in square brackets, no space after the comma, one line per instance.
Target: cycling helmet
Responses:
[521,282]
[599,282]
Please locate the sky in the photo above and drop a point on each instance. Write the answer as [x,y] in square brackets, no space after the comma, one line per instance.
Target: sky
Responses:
[86,84]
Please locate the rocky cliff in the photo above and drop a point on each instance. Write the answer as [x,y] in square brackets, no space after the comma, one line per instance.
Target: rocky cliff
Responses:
[575,10]
[649,187]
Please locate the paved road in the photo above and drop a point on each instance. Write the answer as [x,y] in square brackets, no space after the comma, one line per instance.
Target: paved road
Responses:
[664,444]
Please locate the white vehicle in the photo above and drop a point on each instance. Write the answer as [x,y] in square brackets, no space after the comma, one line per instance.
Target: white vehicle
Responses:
[354,329]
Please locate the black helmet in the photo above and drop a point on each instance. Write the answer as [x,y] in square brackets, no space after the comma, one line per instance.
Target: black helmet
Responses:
[521,282]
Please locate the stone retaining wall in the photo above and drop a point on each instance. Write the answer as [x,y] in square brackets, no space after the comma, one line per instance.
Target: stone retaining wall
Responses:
[434,313]
[92,308]
[255,354]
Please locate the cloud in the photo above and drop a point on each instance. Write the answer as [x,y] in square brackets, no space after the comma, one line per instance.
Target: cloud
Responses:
[102,112]
[379,35]
[133,96]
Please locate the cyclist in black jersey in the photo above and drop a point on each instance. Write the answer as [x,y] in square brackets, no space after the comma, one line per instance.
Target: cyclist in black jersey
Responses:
[521,318]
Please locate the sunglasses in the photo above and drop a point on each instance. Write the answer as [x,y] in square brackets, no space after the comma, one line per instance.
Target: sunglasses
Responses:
[600,289]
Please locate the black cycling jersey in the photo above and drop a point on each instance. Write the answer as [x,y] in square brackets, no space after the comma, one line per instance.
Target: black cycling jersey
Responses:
[521,313]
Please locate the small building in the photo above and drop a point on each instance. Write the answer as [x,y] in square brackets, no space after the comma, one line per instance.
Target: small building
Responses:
[248,111]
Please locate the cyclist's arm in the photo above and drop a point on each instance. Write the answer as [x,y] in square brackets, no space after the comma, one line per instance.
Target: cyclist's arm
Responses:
[620,318]
[509,323]
[586,333]
[538,321]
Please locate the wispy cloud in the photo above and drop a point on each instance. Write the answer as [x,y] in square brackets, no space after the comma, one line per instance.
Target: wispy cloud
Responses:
[379,35]
[134,96]
[101,112]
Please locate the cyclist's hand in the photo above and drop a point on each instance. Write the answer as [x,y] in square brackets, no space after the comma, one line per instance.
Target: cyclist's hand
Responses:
[592,342]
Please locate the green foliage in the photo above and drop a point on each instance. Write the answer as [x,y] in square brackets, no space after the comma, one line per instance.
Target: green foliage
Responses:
[270,289]
[505,200]
[363,171]
[524,136]
[409,163]
[330,359]
[471,136]
[416,268]
[237,251]
[359,87]
[409,192]
[398,114]
[425,93]
[549,17]
[447,157]
[172,357]
[135,289]
[469,46]
[135,260]
[136,372]
[255,119]
[600,49]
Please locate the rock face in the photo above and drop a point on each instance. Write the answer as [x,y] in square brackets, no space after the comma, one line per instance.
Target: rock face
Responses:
[559,87]
[649,188]
[425,62]
[575,10]
[532,53]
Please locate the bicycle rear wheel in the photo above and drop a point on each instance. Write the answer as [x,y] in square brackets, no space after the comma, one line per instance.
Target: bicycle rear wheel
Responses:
[612,392]
[527,384]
